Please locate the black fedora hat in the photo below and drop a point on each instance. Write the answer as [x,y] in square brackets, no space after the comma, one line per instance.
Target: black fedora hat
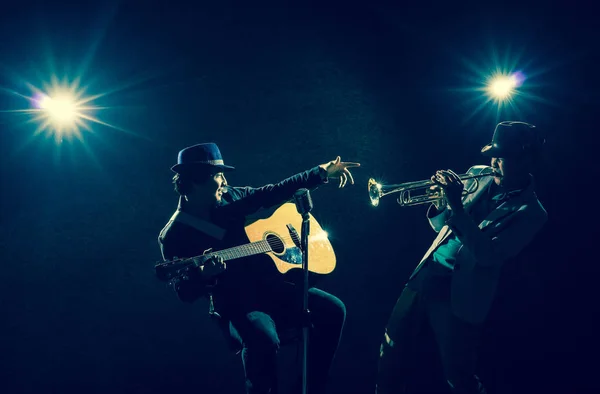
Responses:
[512,139]
[203,157]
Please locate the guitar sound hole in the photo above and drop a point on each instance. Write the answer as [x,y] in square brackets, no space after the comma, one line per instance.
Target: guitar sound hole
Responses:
[275,243]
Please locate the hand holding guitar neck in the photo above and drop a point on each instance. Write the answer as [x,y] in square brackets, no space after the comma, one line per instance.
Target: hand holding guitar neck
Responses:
[213,266]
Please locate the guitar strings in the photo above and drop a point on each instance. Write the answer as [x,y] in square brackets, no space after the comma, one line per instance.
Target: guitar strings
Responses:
[277,242]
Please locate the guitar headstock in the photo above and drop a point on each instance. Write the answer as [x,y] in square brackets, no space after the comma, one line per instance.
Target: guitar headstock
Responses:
[167,270]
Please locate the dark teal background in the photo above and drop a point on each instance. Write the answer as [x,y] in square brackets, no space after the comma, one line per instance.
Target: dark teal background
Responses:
[281,87]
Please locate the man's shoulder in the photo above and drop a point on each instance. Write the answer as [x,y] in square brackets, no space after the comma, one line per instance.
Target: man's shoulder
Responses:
[178,226]
[170,230]
[176,229]
[182,240]
[535,208]
[532,204]
[165,231]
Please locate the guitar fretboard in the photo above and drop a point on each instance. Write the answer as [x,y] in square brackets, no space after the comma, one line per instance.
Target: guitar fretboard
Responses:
[238,252]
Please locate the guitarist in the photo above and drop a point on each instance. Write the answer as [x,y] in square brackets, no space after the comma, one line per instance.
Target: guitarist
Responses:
[252,305]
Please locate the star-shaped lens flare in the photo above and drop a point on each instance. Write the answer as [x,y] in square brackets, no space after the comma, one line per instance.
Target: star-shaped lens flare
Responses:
[501,87]
[61,109]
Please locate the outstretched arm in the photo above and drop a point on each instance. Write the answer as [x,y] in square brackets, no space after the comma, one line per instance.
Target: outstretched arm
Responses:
[247,200]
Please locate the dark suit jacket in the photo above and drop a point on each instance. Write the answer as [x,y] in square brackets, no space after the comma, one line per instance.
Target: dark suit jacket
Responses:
[486,246]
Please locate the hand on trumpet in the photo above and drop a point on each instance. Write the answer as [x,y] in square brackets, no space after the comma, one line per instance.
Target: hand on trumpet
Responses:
[452,186]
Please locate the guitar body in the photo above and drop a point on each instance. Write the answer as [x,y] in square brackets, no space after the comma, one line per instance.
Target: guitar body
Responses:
[268,235]
[286,255]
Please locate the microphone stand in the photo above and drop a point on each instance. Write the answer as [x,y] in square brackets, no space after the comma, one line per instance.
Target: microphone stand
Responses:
[304,206]
[305,313]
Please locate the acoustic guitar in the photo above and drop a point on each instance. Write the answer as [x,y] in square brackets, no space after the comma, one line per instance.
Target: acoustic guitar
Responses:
[277,237]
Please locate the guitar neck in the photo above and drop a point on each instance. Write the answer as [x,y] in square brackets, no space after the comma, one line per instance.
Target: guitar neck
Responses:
[238,252]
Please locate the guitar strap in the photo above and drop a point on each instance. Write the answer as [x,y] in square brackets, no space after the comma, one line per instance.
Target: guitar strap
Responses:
[201,225]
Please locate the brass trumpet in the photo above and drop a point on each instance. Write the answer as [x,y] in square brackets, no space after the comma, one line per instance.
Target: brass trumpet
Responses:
[419,192]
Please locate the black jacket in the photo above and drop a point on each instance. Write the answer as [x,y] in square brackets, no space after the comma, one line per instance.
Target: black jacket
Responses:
[244,277]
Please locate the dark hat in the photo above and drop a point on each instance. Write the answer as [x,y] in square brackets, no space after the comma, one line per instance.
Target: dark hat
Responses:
[203,157]
[513,139]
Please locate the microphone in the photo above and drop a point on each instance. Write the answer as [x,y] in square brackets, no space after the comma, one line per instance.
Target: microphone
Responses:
[303,201]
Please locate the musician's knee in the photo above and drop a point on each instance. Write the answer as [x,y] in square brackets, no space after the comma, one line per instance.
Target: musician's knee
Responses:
[262,337]
[326,310]
[337,312]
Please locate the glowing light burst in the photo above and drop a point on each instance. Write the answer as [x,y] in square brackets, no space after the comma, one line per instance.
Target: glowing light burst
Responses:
[61,110]
[501,87]
[498,86]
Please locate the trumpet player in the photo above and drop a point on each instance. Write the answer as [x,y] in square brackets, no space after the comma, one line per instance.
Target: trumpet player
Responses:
[450,292]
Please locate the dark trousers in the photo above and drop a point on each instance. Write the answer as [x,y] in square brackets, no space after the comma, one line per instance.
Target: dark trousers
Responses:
[456,340]
[259,332]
